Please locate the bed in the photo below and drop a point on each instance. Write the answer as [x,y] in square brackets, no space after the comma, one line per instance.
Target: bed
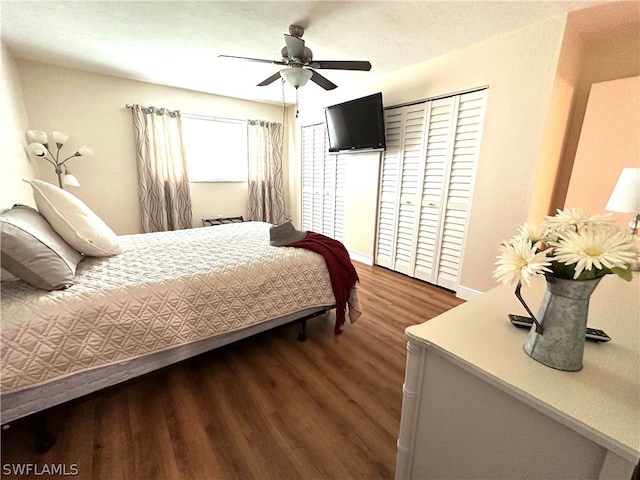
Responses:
[167,297]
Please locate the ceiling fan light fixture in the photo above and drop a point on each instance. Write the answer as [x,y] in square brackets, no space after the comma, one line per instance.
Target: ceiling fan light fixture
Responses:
[297,77]
[299,60]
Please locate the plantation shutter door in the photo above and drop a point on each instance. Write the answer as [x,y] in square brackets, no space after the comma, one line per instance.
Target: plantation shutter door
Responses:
[341,182]
[323,184]
[466,146]
[307,176]
[389,188]
[437,161]
[313,154]
[410,185]
[388,196]
[328,195]
[426,186]
[318,179]
[399,186]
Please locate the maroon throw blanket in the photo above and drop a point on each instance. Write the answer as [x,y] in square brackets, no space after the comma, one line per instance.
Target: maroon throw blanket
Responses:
[342,273]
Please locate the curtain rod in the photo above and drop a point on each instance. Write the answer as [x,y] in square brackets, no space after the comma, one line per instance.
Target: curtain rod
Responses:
[207,117]
[211,117]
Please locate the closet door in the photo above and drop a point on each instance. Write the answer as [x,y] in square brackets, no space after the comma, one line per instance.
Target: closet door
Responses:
[307,154]
[341,180]
[328,196]
[459,188]
[400,183]
[426,186]
[453,142]
[388,195]
[323,181]
[437,161]
[317,216]
[312,184]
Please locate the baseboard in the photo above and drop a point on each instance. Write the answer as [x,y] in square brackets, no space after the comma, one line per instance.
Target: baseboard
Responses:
[467,293]
[361,257]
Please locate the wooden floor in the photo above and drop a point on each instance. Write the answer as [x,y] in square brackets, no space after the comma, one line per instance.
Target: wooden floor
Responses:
[268,407]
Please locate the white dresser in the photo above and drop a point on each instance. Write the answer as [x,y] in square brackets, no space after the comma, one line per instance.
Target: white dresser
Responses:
[476,406]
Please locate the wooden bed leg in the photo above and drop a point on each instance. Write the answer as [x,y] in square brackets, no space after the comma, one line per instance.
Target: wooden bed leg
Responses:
[302,336]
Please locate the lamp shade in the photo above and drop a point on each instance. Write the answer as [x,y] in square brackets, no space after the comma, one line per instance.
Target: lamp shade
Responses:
[626,194]
[297,77]
[70,179]
[59,138]
[85,151]
[37,149]
[37,136]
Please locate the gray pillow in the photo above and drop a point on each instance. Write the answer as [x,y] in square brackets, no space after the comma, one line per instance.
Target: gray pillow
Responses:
[34,252]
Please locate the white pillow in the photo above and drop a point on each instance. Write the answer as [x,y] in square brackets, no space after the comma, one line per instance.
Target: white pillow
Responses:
[74,221]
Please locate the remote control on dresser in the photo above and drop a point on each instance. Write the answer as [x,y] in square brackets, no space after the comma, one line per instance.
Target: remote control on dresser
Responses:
[593,334]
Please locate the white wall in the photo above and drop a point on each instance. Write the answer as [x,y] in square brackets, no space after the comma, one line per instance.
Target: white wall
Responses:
[360,220]
[15,162]
[519,69]
[91,108]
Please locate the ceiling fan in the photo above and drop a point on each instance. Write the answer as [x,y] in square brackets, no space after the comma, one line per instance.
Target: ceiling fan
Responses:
[300,64]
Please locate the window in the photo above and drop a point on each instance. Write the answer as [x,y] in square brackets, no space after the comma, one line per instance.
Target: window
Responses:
[216,149]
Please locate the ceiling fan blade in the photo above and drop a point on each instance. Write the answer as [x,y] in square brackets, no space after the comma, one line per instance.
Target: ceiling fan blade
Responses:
[270,80]
[322,81]
[295,46]
[260,60]
[342,65]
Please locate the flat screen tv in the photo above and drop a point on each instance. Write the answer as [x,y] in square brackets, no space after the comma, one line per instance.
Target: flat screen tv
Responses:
[356,125]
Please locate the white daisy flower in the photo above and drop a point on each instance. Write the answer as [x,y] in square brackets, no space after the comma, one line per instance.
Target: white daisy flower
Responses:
[520,261]
[532,231]
[571,244]
[573,219]
[596,248]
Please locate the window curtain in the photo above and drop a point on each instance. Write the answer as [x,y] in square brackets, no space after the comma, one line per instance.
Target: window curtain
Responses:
[266,193]
[163,183]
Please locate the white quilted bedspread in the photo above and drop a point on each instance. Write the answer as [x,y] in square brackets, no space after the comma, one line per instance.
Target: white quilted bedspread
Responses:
[166,289]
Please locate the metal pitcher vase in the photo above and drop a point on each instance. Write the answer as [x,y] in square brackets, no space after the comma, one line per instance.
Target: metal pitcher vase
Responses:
[563,318]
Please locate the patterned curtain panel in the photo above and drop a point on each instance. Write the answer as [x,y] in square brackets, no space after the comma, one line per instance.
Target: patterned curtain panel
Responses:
[266,193]
[163,183]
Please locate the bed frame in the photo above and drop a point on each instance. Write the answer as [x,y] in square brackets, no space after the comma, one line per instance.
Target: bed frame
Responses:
[36,399]
[33,401]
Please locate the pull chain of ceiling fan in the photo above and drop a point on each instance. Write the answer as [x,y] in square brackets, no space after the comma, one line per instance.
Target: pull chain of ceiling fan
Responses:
[284,105]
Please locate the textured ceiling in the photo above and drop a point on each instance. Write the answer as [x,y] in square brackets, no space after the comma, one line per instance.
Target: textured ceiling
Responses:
[178,43]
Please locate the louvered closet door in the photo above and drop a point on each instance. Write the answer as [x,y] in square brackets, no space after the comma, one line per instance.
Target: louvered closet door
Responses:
[437,160]
[454,133]
[328,196]
[388,196]
[466,147]
[426,186]
[312,182]
[341,181]
[307,177]
[400,184]
[317,220]
[323,182]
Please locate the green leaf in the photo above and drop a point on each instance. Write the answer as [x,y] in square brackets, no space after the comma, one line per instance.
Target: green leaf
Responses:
[560,270]
[623,273]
